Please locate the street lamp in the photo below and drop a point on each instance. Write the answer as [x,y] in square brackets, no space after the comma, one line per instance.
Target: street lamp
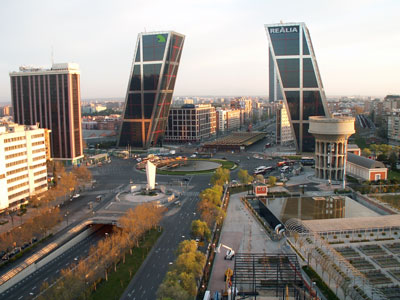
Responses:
[66,215]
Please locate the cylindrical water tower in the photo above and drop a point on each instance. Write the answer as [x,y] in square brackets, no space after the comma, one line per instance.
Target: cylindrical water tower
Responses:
[331,135]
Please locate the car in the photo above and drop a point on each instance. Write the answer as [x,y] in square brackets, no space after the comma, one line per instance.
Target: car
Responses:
[76,196]
[193,155]
[234,183]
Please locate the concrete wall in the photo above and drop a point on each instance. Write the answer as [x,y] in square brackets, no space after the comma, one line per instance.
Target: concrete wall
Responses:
[35,266]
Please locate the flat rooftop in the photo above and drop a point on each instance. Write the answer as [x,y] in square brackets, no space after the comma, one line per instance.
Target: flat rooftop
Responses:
[343,224]
[237,139]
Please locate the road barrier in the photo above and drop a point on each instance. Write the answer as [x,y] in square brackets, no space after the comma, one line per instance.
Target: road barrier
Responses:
[16,275]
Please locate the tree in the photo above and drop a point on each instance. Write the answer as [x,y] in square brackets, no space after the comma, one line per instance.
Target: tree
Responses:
[382,157]
[393,161]
[186,247]
[366,152]
[272,180]
[220,176]
[200,229]
[244,176]
[171,289]
[82,174]
[260,178]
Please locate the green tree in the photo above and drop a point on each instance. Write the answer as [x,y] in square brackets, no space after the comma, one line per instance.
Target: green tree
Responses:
[187,246]
[200,229]
[244,176]
[272,180]
[382,157]
[366,152]
[393,161]
[220,176]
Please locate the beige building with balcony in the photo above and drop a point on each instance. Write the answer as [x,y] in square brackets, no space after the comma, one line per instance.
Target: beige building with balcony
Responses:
[23,169]
[331,136]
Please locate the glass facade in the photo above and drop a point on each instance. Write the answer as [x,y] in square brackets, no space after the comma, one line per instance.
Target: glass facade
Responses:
[150,89]
[293,70]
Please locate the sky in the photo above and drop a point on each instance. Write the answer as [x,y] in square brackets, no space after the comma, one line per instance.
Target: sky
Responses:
[356,42]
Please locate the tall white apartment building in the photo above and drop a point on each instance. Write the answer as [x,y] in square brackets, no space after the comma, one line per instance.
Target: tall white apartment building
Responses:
[228,120]
[283,131]
[23,170]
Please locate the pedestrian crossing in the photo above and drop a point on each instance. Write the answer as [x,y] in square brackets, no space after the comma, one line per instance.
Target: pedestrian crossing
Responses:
[190,194]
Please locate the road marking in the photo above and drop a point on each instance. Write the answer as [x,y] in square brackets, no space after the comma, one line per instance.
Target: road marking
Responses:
[34,288]
[45,279]
[20,297]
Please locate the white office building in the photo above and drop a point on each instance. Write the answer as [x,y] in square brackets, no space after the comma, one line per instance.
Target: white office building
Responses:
[23,170]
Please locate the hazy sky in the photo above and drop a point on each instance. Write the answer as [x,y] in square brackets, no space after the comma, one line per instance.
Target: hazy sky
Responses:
[357,43]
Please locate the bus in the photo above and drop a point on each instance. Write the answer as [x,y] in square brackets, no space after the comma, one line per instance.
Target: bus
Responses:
[307,161]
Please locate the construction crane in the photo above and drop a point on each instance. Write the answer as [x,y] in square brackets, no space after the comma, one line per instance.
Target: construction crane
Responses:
[229,254]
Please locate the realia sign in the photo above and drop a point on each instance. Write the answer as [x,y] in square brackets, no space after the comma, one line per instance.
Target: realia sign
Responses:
[283,29]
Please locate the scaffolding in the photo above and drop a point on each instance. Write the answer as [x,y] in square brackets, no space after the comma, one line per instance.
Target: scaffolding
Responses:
[275,275]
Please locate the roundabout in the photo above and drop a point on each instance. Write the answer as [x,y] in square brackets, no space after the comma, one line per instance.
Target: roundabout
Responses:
[196,166]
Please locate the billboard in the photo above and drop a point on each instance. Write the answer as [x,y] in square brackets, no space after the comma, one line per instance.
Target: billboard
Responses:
[260,190]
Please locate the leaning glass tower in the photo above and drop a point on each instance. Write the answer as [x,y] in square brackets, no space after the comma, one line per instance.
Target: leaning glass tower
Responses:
[294,78]
[150,88]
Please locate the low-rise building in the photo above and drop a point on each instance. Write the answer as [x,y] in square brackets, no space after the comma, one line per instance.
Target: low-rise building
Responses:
[191,123]
[365,168]
[23,169]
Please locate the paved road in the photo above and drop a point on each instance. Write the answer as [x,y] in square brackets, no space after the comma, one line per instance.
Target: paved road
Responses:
[30,286]
[176,229]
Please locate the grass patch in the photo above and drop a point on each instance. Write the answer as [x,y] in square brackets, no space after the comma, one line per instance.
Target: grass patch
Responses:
[393,175]
[393,200]
[328,293]
[226,164]
[239,189]
[118,281]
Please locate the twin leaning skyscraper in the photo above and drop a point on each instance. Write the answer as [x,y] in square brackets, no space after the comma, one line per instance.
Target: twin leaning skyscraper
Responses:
[293,77]
[52,97]
[150,88]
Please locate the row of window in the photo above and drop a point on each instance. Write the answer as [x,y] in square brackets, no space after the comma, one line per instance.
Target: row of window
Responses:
[39,158]
[18,138]
[15,147]
[40,179]
[37,166]
[18,162]
[17,178]
[35,136]
[38,150]
[38,143]
[16,155]
[40,172]
[40,187]
[17,171]
[18,194]
[12,188]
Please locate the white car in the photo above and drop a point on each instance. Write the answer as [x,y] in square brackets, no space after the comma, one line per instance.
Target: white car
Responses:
[76,196]
[193,155]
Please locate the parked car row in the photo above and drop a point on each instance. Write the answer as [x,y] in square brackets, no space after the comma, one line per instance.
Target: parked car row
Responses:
[6,256]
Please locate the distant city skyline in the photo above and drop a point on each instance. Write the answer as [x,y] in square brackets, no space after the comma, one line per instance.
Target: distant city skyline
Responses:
[226,49]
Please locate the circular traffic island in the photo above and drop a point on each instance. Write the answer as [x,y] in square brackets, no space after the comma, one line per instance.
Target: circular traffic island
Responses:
[196,166]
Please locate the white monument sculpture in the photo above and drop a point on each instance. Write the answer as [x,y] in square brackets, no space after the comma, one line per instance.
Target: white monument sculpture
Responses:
[151,175]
